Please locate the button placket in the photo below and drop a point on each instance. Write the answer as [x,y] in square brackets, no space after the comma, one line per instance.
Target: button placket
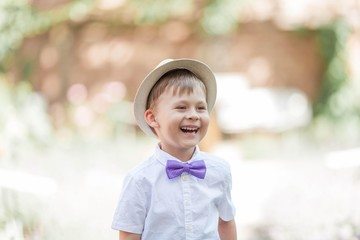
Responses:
[186,181]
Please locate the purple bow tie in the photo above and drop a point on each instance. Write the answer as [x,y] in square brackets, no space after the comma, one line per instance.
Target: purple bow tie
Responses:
[175,168]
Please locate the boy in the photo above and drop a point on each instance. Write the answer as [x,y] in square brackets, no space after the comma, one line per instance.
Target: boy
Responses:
[180,192]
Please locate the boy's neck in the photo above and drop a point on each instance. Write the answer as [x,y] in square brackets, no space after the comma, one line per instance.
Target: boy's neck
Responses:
[182,155]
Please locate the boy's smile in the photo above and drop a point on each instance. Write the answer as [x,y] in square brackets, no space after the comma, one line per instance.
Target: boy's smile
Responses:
[180,121]
[189,129]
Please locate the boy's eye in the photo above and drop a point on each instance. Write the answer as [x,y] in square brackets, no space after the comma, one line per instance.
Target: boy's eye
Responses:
[180,107]
[202,108]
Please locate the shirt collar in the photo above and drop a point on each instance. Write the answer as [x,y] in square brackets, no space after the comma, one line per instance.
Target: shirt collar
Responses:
[163,156]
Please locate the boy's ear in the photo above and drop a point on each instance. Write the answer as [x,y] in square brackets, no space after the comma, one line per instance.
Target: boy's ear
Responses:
[150,118]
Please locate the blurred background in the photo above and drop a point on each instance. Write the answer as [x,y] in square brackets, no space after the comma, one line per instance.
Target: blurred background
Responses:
[287,115]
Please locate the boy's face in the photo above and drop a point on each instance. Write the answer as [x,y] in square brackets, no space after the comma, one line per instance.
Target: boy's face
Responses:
[180,121]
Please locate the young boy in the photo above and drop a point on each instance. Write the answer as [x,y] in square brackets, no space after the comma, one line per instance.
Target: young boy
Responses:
[180,192]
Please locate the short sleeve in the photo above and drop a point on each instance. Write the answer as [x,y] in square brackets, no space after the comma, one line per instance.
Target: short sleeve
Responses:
[225,205]
[130,212]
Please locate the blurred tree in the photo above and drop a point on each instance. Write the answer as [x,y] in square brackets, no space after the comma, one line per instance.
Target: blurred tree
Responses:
[332,41]
[20,19]
[337,101]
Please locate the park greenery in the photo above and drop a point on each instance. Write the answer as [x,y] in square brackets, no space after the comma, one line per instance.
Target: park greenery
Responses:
[337,99]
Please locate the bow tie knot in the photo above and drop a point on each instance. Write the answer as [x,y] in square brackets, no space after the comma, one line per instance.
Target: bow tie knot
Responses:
[175,168]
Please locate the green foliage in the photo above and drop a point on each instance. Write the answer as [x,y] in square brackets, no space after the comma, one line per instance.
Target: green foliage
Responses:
[221,17]
[331,45]
[14,18]
[152,12]
[337,109]
[216,17]
[18,20]
[337,99]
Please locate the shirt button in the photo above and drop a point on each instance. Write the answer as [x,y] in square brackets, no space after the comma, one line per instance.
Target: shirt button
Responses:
[187,202]
[184,177]
[188,228]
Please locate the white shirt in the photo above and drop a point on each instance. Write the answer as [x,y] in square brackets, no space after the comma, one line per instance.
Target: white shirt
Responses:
[182,208]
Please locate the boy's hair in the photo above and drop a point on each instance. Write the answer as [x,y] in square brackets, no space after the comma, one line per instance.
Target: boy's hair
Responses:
[181,80]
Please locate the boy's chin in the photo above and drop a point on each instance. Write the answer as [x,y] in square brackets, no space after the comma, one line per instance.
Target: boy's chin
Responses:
[193,142]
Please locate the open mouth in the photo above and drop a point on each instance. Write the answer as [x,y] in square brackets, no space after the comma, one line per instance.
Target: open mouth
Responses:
[189,129]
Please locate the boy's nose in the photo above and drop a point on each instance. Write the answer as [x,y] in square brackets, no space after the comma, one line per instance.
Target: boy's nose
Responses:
[193,115]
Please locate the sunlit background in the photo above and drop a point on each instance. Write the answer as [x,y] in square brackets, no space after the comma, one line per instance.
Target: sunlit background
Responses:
[287,116]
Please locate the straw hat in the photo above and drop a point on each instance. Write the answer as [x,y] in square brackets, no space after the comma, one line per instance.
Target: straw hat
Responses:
[201,70]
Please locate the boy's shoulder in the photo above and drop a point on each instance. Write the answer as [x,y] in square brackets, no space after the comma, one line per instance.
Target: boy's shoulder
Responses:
[217,168]
[149,166]
[213,160]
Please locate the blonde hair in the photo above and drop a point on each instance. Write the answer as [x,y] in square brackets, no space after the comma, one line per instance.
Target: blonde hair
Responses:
[181,80]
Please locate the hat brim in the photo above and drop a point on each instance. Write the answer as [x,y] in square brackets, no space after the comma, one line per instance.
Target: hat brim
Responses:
[201,70]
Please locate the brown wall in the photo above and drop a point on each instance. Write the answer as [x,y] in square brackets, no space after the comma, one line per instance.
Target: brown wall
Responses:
[93,54]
